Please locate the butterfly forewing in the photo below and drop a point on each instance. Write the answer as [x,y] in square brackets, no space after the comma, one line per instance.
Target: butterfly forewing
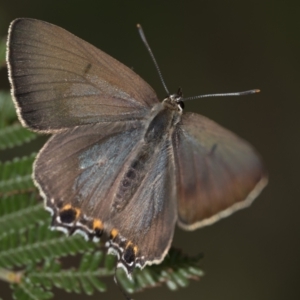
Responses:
[217,172]
[60,81]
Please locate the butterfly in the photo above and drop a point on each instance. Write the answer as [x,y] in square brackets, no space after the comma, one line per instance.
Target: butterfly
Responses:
[121,163]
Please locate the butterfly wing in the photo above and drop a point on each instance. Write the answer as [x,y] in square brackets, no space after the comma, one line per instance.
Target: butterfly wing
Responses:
[60,81]
[79,173]
[217,172]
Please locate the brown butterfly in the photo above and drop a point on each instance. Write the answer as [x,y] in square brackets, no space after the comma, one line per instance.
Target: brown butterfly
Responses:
[121,162]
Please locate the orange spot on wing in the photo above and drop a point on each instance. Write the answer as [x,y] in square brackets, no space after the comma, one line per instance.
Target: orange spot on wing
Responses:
[114,233]
[67,207]
[97,224]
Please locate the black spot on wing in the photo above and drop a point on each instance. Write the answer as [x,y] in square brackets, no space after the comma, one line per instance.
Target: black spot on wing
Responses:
[213,149]
[67,215]
[129,255]
[87,68]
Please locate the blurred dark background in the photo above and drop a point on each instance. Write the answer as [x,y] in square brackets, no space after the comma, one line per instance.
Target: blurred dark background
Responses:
[211,47]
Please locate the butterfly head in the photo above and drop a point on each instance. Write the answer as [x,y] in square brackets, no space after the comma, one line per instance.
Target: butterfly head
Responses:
[174,101]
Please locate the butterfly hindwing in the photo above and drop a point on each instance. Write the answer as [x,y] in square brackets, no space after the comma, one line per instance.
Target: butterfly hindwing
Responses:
[60,81]
[87,176]
[217,172]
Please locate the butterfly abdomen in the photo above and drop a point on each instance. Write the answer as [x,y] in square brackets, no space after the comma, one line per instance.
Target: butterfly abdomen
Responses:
[133,177]
[156,132]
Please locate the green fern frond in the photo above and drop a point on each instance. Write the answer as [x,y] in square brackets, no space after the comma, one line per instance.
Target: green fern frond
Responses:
[90,261]
[28,291]
[15,175]
[85,279]
[19,248]
[175,271]
[15,135]
[7,109]
[19,211]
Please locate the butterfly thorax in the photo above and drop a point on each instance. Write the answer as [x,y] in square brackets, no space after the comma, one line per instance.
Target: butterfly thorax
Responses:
[163,120]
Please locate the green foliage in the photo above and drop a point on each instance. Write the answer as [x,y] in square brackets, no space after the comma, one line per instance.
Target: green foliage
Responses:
[28,291]
[84,279]
[18,248]
[15,175]
[19,210]
[15,135]
[33,258]
[175,271]
[7,110]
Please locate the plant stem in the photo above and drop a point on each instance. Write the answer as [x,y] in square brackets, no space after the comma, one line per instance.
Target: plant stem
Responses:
[10,276]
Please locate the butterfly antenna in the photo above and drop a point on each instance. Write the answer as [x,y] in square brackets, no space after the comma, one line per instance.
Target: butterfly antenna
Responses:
[119,286]
[143,37]
[222,95]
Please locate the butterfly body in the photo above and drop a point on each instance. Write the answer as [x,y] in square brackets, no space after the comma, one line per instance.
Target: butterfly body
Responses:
[121,163]
[158,130]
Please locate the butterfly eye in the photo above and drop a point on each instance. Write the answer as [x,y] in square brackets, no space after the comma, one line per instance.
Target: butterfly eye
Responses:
[181,104]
